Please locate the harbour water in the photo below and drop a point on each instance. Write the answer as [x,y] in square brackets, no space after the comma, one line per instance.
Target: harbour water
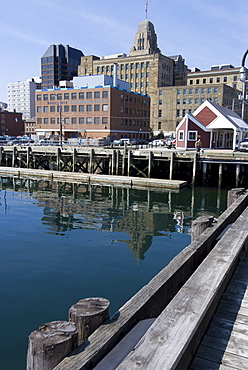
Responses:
[62,242]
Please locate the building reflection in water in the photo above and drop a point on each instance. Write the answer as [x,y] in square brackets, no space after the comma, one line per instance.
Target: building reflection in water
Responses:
[142,214]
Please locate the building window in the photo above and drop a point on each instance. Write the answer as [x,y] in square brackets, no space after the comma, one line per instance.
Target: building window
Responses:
[97,120]
[192,135]
[215,100]
[235,86]
[52,121]
[196,91]
[81,108]
[216,90]
[81,95]
[181,135]
[89,120]
[45,97]
[81,120]
[98,70]
[203,90]
[211,80]
[137,65]
[38,97]
[66,96]
[45,121]
[52,108]
[184,101]
[160,113]
[66,108]
[190,101]
[52,96]
[102,69]
[45,109]
[104,120]
[59,96]
[218,79]
[105,107]
[184,112]
[209,90]
[147,64]
[225,79]
[196,101]
[39,121]
[96,107]
[178,112]
[184,91]
[159,125]
[179,92]
[74,95]
[39,109]
[97,94]
[160,102]
[89,95]
[73,108]
[202,100]
[88,108]
[191,82]
[105,94]
[66,121]
[235,78]
[190,91]
[178,101]
[74,120]
[204,81]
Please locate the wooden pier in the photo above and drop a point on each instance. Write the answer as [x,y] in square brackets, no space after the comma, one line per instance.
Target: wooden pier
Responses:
[167,319]
[214,167]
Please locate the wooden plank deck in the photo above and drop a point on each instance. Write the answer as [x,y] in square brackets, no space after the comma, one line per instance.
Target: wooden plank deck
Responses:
[225,345]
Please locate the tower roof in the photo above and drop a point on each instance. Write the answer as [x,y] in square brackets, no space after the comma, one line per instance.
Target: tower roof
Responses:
[145,39]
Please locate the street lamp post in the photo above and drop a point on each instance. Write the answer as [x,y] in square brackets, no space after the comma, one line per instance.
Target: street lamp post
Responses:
[242,76]
[60,123]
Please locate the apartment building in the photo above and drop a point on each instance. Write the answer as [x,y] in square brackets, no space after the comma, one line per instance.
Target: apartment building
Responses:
[21,96]
[96,107]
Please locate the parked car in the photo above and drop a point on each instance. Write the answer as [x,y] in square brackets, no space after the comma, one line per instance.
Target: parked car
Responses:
[121,142]
[157,142]
[243,146]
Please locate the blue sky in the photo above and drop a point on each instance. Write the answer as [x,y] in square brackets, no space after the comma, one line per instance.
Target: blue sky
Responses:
[204,32]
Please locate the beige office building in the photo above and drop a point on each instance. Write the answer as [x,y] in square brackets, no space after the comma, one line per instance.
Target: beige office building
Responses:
[145,68]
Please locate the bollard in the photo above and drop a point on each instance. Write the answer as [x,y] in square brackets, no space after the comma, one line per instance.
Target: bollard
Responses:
[233,195]
[88,314]
[50,344]
[199,225]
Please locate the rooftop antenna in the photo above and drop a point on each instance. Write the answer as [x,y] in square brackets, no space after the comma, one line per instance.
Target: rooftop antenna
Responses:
[146,8]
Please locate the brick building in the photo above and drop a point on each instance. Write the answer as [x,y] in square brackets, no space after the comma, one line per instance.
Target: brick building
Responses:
[12,123]
[95,109]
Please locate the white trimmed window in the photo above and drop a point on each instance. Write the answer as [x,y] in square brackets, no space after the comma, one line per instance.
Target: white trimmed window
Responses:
[192,135]
[181,135]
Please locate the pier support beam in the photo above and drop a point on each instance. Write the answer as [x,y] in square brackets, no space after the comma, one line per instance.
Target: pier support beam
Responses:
[237,174]
[91,160]
[199,225]
[233,195]
[149,164]
[29,152]
[205,168]
[194,169]
[58,158]
[74,159]
[171,165]
[128,162]
[220,174]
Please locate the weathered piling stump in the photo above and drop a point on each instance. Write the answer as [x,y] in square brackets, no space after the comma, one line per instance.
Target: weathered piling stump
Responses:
[199,225]
[233,195]
[88,314]
[50,344]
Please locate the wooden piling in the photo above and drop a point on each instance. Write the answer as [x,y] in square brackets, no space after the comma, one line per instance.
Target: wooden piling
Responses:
[237,174]
[128,162]
[233,195]
[91,160]
[74,159]
[220,175]
[149,164]
[194,169]
[171,165]
[50,344]
[199,225]
[88,314]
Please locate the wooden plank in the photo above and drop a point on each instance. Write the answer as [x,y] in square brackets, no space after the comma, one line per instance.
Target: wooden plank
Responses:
[165,343]
[216,359]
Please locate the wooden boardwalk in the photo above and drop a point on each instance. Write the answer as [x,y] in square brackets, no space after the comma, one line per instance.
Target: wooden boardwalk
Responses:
[225,345]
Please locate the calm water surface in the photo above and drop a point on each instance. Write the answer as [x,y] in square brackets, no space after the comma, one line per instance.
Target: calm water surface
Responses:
[64,242]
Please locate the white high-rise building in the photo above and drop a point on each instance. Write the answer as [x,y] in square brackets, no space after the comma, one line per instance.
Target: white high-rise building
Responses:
[21,97]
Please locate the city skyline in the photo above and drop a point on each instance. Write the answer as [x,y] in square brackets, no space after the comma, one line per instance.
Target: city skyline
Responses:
[203,35]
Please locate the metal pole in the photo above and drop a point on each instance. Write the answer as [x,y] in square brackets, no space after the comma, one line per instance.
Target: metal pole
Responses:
[60,123]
